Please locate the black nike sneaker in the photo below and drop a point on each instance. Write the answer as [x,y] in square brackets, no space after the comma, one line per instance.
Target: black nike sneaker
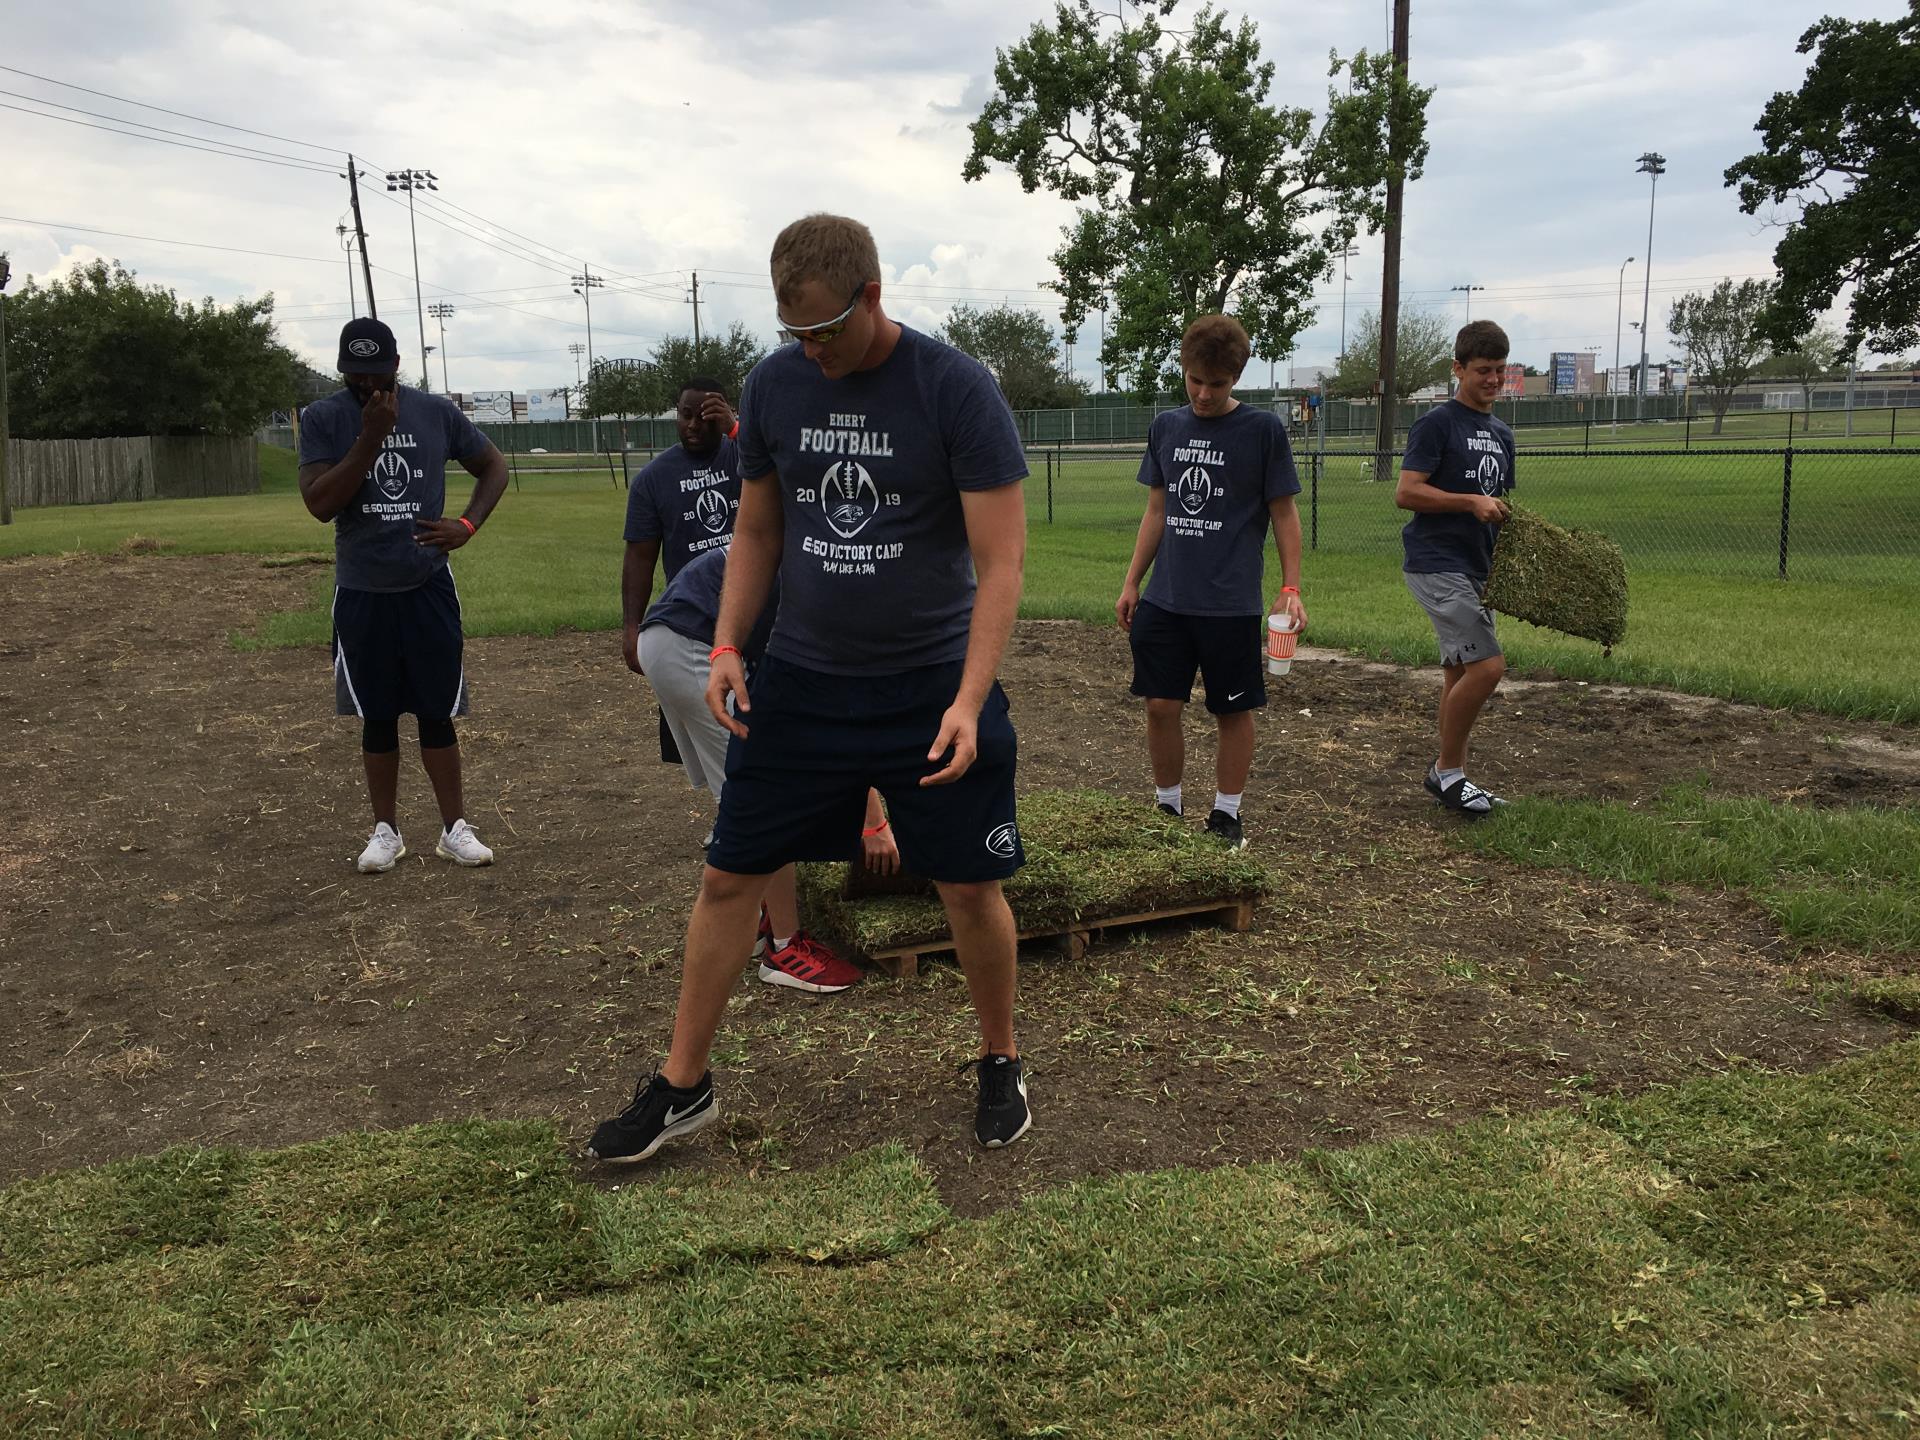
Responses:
[1226,829]
[660,1112]
[1002,1116]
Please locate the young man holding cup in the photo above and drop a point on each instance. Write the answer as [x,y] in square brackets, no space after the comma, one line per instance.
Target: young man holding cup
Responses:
[1220,475]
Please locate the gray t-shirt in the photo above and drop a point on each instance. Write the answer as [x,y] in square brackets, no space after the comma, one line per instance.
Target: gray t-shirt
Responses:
[685,502]
[1463,452]
[373,543]
[1219,473]
[876,576]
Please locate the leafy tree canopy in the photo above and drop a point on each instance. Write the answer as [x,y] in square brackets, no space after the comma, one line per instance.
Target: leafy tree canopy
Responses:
[1016,345]
[1425,355]
[1723,338]
[653,386]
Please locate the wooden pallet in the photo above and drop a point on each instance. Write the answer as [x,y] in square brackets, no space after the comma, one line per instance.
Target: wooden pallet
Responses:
[1231,914]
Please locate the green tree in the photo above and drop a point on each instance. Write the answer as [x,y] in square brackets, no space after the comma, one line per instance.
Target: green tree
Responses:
[1195,194]
[725,358]
[97,353]
[1016,345]
[1722,336]
[1425,355]
[1845,150]
[618,388]
[1813,356]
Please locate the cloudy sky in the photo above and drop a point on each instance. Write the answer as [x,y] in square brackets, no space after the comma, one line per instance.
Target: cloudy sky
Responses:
[653,141]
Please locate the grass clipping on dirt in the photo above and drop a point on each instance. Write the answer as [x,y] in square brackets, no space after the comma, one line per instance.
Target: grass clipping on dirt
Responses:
[1573,581]
[1090,856]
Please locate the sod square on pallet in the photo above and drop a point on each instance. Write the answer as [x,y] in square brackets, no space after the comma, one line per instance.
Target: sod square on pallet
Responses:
[1573,581]
[1091,856]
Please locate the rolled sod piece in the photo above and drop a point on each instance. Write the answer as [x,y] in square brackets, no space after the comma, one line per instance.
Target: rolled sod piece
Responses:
[1573,581]
[1090,856]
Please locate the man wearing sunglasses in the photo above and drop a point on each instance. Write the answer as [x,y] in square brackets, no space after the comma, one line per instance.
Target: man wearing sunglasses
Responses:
[882,484]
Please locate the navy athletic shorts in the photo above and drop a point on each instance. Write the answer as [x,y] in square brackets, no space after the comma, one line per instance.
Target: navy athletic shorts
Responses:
[1227,650]
[797,785]
[400,651]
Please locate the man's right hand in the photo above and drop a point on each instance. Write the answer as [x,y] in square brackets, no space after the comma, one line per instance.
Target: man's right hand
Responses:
[1489,509]
[728,677]
[631,649]
[379,415]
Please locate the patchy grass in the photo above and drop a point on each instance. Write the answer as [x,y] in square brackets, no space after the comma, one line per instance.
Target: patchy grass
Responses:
[1090,855]
[1837,877]
[1737,1256]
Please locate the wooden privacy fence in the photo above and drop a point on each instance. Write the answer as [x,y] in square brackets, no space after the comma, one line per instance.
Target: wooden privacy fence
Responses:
[139,467]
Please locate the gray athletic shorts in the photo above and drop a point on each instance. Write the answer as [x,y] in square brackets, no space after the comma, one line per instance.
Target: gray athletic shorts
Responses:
[1462,624]
[678,669]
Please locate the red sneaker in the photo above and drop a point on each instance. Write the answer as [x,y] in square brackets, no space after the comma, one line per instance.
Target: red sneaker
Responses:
[808,965]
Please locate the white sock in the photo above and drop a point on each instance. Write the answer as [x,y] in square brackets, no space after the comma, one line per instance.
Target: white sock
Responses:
[1446,777]
[1228,803]
[780,942]
[1167,795]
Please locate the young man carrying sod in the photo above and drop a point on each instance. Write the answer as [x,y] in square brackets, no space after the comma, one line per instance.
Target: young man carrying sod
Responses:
[681,505]
[1220,475]
[1458,465]
[675,638]
[883,475]
[373,461]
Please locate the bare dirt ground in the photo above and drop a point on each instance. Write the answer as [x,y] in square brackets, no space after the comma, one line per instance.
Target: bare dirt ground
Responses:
[187,956]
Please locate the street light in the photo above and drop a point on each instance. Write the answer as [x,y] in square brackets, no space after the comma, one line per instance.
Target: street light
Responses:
[346,244]
[584,284]
[440,310]
[1469,289]
[1652,165]
[410,181]
[1619,296]
[1343,256]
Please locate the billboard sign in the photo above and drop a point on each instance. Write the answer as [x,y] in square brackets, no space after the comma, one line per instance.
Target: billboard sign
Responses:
[485,405]
[1515,382]
[547,405]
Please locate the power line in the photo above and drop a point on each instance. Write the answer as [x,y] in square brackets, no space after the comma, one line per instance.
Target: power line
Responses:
[183,134]
[180,114]
[157,240]
[496,225]
[209,149]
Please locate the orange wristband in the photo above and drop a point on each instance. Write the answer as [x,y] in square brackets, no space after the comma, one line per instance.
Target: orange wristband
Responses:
[1289,589]
[736,428]
[468,523]
[719,650]
[864,834]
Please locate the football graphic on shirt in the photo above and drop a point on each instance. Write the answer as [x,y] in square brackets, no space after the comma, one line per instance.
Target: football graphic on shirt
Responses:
[1195,489]
[1490,474]
[712,510]
[392,473]
[847,493]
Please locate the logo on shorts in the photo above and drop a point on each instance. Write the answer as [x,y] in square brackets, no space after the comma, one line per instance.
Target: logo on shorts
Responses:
[364,348]
[1004,840]
[1195,489]
[1491,473]
[392,473]
[848,495]
[712,511]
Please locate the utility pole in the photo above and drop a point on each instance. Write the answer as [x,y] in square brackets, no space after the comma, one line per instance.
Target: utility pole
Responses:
[1653,166]
[576,349]
[360,232]
[583,285]
[440,310]
[696,313]
[6,504]
[1613,385]
[410,181]
[1390,266]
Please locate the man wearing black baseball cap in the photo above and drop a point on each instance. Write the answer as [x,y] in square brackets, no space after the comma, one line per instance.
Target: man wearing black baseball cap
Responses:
[373,462]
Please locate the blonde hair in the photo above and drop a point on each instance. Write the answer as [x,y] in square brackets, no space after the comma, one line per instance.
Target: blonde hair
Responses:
[1217,344]
[836,251]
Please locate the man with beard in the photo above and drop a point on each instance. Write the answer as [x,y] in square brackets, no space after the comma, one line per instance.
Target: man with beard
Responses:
[373,463]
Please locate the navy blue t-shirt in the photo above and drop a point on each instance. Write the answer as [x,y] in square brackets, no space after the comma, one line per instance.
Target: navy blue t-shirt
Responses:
[690,605]
[685,502]
[876,576]
[373,544]
[1219,473]
[1464,452]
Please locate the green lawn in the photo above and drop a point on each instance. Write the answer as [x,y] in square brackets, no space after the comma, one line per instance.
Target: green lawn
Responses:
[1701,533]
[1738,1256]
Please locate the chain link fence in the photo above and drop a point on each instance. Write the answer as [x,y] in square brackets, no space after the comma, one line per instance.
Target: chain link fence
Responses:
[1847,514]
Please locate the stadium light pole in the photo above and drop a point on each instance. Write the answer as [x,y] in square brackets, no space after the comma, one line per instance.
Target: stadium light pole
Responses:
[1469,289]
[1619,296]
[1653,165]
[584,285]
[440,310]
[410,181]
[576,349]
[1343,257]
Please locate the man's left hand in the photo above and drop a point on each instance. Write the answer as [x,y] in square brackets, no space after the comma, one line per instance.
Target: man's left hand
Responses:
[960,734]
[441,535]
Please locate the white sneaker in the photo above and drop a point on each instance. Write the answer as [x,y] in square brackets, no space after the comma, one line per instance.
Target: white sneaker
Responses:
[462,846]
[383,850]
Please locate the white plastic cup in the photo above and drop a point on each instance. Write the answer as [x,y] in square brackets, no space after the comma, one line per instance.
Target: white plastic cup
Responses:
[1282,637]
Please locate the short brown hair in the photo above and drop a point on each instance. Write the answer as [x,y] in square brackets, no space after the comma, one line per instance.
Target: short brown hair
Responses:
[832,249]
[1481,340]
[1217,344]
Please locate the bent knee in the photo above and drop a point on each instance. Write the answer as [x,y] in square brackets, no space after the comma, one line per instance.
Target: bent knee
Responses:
[718,887]
[972,896]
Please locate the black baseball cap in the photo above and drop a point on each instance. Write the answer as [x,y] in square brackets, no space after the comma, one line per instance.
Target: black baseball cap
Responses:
[367,347]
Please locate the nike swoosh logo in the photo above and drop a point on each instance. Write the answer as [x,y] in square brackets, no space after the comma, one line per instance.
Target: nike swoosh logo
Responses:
[1235,696]
[674,1116]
